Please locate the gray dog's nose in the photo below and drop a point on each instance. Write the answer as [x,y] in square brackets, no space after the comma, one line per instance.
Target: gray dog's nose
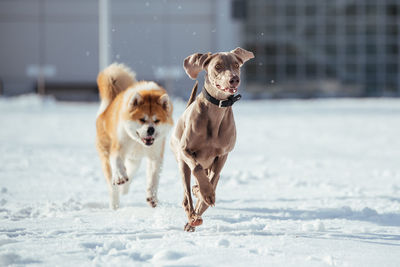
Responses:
[150,130]
[234,81]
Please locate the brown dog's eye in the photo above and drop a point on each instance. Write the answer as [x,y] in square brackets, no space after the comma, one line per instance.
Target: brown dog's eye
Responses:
[218,67]
[142,120]
[236,65]
[156,121]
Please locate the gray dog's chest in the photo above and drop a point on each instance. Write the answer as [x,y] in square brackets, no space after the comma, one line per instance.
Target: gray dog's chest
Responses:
[216,136]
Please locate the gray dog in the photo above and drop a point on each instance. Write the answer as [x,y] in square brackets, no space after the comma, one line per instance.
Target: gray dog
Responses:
[206,132]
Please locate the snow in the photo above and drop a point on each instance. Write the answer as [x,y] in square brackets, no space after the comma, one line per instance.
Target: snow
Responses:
[310,183]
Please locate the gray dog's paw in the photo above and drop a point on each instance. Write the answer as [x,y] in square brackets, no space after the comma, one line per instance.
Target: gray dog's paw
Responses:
[196,191]
[208,194]
[189,228]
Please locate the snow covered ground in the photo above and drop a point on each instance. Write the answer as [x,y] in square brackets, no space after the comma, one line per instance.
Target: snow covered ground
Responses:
[310,183]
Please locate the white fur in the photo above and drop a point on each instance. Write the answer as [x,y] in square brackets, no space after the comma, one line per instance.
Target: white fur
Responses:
[164,100]
[132,136]
[146,86]
[129,157]
[132,165]
[103,106]
[135,99]
[140,86]
[115,68]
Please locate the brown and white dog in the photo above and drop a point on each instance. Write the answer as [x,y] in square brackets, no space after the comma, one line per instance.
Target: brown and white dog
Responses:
[206,132]
[132,123]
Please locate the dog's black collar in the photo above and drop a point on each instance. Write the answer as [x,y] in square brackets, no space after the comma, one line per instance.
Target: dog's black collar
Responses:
[221,103]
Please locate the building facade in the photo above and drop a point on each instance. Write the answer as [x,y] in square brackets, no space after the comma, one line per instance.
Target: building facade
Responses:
[303,48]
[323,47]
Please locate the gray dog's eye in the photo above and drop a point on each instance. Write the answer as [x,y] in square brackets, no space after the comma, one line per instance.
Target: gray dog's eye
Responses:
[218,67]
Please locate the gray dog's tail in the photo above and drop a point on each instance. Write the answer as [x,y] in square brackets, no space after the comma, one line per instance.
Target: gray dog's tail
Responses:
[193,94]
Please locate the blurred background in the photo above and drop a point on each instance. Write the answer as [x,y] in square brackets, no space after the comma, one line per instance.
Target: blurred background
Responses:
[303,48]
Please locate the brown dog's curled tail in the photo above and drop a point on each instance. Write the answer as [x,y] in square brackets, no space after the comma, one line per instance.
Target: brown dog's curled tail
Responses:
[193,94]
[113,80]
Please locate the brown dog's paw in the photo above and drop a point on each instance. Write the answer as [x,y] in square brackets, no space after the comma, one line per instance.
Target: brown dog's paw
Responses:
[189,228]
[119,180]
[152,202]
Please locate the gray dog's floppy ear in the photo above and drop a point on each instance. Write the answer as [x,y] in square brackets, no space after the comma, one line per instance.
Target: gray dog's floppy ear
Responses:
[242,54]
[195,63]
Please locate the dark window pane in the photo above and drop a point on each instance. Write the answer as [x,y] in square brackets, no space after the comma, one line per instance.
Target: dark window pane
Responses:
[331,29]
[351,10]
[371,49]
[352,68]
[351,49]
[371,69]
[331,50]
[311,10]
[271,70]
[392,29]
[270,50]
[311,69]
[291,69]
[392,49]
[291,10]
[392,67]
[351,29]
[239,9]
[392,10]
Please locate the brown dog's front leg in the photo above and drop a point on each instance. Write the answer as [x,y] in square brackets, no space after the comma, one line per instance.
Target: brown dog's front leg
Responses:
[216,169]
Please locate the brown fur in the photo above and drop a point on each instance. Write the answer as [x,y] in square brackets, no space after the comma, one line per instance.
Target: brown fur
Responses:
[125,103]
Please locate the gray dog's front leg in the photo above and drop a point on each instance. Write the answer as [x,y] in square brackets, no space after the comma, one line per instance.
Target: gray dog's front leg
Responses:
[187,197]
[206,189]
[216,169]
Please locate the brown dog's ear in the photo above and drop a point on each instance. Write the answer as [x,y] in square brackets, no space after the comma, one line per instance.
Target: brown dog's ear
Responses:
[135,101]
[195,63]
[165,102]
[242,54]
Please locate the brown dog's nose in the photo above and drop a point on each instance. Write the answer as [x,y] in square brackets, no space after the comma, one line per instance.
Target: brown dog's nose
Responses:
[150,130]
[234,81]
